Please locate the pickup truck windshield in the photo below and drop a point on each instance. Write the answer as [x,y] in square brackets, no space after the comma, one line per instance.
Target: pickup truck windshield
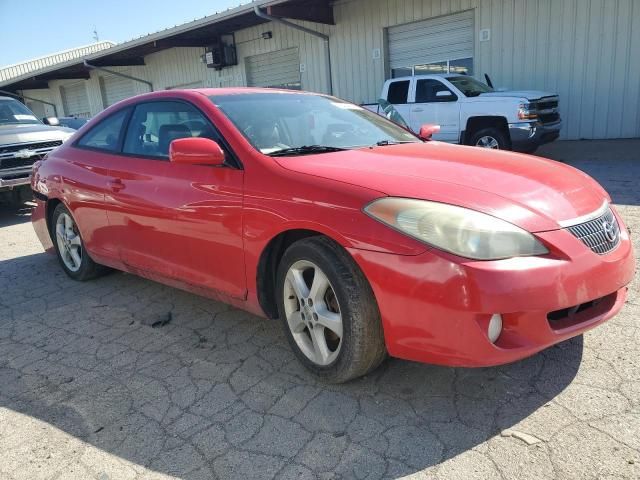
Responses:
[469,86]
[13,112]
[303,124]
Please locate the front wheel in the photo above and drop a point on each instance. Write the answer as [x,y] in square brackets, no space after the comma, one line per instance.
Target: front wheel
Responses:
[492,138]
[330,315]
[74,259]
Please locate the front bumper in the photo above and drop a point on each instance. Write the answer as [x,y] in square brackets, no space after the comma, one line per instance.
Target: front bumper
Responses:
[527,136]
[14,177]
[435,307]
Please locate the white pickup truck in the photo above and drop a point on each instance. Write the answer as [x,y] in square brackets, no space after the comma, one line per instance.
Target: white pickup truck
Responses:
[472,113]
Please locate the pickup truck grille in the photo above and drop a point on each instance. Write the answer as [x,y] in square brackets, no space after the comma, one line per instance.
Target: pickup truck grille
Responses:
[19,162]
[8,149]
[547,108]
[601,234]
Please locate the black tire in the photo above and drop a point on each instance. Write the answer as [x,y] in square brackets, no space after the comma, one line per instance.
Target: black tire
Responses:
[498,135]
[88,268]
[362,348]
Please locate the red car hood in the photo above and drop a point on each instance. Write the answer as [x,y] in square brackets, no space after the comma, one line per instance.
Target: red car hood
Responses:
[531,192]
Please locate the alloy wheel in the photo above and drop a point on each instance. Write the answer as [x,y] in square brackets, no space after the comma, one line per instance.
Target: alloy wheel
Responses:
[69,242]
[488,142]
[313,313]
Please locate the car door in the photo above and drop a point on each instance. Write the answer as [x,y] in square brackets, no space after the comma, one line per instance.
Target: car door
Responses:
[436,103]
[182,222]
[88,178]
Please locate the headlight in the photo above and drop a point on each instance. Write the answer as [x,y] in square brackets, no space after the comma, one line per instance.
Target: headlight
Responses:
[457,230]
[526,111]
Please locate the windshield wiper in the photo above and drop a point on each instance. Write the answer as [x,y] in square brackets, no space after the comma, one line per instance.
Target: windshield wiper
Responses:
[384,143]
[305,150]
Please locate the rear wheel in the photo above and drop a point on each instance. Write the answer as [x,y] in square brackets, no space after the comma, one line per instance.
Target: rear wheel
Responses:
[329,313]
[70,249]
[491,138]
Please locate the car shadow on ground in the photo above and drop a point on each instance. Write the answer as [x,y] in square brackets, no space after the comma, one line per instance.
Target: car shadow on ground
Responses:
[190,387]
[15,215]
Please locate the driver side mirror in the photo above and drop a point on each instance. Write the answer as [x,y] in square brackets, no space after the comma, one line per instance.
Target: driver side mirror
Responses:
[427,130]
[51,121]
[196,151]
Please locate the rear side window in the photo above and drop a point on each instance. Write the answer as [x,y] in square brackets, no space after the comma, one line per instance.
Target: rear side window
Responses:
[154,125]
[107,134]
[398,92]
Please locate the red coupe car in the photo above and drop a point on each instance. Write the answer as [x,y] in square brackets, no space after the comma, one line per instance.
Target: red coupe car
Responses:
[363,238]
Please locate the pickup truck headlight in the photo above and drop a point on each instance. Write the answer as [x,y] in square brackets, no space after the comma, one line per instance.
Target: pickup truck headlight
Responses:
[454,229]
[526,111]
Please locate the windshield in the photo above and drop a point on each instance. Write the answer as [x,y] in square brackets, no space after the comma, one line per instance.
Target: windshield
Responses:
[13,112]
[469,86]
[280,121]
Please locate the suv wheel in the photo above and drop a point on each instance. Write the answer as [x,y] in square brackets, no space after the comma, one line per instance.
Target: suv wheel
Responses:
[490,138]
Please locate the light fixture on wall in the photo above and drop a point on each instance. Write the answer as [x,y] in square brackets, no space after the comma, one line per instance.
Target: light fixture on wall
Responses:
[267,35]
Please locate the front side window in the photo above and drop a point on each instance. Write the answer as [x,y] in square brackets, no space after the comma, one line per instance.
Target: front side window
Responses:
[430,90]
[107,134]
[278,122]
[12,112]
[154,125]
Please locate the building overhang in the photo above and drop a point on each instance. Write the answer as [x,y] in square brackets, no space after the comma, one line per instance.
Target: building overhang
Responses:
[198,33]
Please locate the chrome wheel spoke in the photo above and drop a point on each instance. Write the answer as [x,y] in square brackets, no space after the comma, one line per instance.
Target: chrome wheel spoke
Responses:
[60,232]
[75,257]
[330,320]
[318,287]
[294,277]
[320,348]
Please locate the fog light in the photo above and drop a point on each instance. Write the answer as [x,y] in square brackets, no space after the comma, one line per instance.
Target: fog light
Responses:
[495,327]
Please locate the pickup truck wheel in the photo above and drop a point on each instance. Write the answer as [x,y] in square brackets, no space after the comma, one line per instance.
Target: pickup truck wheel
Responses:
[328,310]
[74,259]
[490,138]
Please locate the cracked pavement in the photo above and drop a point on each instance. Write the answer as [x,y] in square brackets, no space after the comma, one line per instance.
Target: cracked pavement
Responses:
[94,385]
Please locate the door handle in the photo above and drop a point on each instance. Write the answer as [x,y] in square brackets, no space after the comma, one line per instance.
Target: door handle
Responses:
[418,110]
[116,185]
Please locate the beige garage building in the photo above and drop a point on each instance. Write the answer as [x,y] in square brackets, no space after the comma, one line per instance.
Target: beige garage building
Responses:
[588,51]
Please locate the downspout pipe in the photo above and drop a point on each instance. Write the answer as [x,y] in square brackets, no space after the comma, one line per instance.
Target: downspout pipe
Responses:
[315,33]
[118,74]
[24,97]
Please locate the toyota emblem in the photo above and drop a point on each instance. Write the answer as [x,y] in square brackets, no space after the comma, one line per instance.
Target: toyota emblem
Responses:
[609,231]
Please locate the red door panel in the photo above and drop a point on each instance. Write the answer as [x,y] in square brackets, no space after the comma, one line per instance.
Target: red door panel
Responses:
[181,221]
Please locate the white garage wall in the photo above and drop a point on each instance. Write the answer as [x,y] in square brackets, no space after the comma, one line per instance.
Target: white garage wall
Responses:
[588,51]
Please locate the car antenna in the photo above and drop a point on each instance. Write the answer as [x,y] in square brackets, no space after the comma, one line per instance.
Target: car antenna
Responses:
[488,79]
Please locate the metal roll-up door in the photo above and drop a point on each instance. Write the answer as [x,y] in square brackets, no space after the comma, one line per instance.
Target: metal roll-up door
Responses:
[274,69]
[115,88]
[428,41]
[74,100]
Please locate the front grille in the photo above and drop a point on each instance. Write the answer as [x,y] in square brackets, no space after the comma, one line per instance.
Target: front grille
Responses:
[19,162]
[547,109]
[549,117]
[601,234]
[29,146]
